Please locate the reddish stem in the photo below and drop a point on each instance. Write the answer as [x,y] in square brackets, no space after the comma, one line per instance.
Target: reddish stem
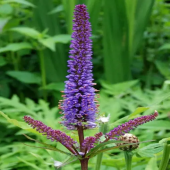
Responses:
[81,136]
[84,164]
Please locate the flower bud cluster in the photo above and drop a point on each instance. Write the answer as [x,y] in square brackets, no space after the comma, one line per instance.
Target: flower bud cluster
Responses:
[128,126]
[54,135]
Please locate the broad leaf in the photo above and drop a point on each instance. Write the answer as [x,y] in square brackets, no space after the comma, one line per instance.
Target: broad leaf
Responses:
[25,77]
[54,86]
[150,150]
[57,9]
[48,42]
[23,2]
[16,47]
[165,47]
[2,61]
[152,164]
[62,38]
[156,125]
[19,124]
[3,22]
[28,32]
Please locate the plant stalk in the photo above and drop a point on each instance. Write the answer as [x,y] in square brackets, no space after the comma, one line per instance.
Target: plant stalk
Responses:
[81,136]
[43,73]
[103,129]
[128,159]
[165,158]
[84,164]
[83,161]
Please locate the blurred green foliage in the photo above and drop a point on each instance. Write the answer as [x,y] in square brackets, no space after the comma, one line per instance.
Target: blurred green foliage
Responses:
[131,41]
[128,42]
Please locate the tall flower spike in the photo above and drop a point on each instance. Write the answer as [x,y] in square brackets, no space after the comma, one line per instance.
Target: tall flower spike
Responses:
[54,135]
[126,127]
[79,106]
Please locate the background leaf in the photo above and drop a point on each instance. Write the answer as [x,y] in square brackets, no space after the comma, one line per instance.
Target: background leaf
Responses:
[25,77]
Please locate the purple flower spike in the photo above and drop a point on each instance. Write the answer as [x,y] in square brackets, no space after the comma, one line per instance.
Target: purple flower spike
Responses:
[54,135]
[89,142]
[126,127]
[79,105]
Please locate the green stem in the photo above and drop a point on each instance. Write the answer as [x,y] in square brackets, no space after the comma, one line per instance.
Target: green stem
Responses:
[103,129]
[128,159]
[165,158]
[43,73]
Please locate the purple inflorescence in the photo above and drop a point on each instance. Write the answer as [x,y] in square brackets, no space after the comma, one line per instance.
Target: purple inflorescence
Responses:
[89,142]
[54,135]
[79,105]
[126,127]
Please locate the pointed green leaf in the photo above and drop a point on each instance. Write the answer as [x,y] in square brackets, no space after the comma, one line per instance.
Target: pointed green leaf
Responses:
[47,145]
[19,124]
[152,164]
[28,32]
[150,150]
[137,111]
[48,42]
[165,47]
[16,47]
[62,38]
[20,2]
[25,77]
[57,9]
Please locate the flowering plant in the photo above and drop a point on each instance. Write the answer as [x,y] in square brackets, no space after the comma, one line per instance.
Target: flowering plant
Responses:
[79,105]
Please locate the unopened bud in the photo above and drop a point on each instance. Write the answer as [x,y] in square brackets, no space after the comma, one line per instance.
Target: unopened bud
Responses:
[128,138]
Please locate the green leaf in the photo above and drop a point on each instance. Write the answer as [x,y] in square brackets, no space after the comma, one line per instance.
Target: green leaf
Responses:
[28,32]
[29,164]
[165,47]
[48,42]
[152,164]
[62,38]
[164,140]
[25,77]
[15,104]
[66,162]
[16,47]
[156,125]
[54,86]
[19,124]
[137,111]
[118,88]
[3,22]
[47,146]
[101,145]
[150,150]
[6,9]
[163,68]
[23,2]
[57,9]
[2,61]
[119,121]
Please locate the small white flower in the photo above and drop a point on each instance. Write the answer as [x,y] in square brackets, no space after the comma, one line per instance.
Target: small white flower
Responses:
[57,163]
[104,119]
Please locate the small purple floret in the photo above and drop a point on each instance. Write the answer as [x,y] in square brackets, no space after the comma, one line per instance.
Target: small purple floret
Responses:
[128,126]
[54,135]
[79,107]
[89,142]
